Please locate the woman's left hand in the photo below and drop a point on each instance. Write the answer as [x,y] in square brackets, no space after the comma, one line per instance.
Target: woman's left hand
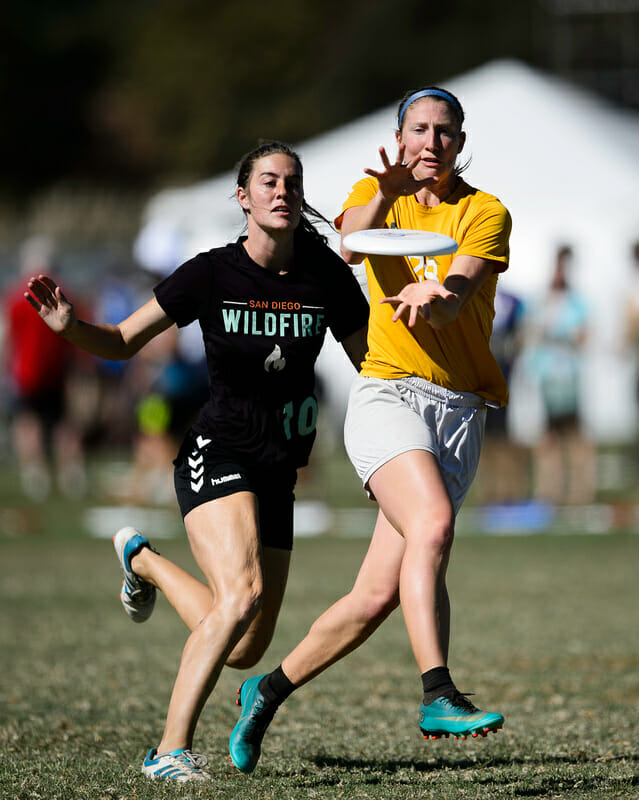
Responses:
[428,299]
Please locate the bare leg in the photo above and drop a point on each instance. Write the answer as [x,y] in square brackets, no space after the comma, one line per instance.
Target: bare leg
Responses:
[193,599]
[224,539]
[353,618]
[412,494]
[411,566]
[190,597]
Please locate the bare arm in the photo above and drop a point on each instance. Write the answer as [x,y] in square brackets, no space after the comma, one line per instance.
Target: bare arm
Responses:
[441,304]
[114,342]
[356,345]
[394,180]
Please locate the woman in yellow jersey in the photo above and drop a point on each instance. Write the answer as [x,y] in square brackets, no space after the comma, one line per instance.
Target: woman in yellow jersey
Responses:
[416,415]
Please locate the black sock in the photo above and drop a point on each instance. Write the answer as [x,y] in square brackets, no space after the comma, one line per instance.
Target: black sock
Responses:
[435,682]
[276,687]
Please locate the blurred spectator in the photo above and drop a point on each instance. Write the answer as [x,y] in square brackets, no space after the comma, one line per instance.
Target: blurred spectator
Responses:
[115,299]
[169,391]
[632,316]
[503,471]
[38,364]
[564,456]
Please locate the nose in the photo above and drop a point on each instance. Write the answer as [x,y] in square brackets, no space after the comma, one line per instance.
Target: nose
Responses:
[430,139]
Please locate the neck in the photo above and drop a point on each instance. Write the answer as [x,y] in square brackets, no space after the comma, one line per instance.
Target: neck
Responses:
[437,193]
[273,251]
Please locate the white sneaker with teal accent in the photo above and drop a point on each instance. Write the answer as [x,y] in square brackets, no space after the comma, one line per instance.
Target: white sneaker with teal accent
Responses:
[137,595]
[178,765]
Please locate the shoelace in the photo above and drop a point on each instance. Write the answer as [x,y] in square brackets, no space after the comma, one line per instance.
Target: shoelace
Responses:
[458,700]
[194,760]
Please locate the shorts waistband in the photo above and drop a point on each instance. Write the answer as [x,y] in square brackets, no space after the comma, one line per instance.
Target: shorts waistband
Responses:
[447,396]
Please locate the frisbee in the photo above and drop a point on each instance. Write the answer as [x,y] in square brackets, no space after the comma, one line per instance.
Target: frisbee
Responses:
[399,242]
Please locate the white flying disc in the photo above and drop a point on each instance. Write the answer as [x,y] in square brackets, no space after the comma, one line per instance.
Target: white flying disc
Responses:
[399,242]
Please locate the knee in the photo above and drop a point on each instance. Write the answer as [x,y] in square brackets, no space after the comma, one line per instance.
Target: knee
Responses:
[236,607]
[365,607]
[435,533]
[374,606]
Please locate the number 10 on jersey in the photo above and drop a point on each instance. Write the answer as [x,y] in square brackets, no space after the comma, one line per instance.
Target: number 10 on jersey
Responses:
[306,418]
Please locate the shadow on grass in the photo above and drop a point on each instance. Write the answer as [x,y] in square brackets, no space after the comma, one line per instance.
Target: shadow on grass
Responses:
[528,785]
[396,765]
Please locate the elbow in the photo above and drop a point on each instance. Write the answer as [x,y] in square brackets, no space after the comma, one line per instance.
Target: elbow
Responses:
[350,257]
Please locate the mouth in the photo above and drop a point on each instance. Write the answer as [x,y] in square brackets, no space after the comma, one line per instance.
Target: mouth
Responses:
[285,210]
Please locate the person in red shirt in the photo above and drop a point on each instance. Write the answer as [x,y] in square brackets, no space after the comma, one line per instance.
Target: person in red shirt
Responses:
[37,364]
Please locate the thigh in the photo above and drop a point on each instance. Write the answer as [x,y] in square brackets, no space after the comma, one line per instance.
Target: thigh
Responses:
[411,492]
[224,539]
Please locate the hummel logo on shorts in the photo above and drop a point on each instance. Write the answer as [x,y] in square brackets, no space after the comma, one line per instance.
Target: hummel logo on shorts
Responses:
[234,476]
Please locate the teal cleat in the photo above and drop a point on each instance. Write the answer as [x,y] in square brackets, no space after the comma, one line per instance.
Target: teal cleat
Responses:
[245,743]
[453,715]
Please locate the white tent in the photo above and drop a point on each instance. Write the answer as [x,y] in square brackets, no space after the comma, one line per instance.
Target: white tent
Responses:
[564,162]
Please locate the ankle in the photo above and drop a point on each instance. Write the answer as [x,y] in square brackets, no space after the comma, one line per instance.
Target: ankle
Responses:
[435,682]
[140,562]
[276,687]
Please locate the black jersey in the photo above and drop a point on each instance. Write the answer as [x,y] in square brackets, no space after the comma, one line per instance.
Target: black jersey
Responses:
[262,334]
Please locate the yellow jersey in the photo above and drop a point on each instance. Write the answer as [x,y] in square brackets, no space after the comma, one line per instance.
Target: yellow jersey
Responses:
[458,356]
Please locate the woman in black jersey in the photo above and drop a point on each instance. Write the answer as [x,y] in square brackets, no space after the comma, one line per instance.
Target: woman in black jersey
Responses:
[263,304]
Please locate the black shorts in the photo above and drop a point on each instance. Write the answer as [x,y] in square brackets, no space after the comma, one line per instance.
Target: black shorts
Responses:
[47,405]
[204,473]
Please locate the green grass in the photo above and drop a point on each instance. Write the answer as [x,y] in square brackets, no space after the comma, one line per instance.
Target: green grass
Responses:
[545,630]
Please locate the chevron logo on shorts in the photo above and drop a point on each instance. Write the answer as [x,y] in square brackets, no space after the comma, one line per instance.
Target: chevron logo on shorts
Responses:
[196,462]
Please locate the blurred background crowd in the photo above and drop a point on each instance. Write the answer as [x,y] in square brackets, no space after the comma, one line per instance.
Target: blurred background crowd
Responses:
[110,103]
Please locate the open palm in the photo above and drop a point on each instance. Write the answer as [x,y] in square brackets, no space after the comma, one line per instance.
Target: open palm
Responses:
[48,300]
[397,179]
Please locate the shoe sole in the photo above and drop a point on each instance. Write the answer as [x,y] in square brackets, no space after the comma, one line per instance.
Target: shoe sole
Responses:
[483,732]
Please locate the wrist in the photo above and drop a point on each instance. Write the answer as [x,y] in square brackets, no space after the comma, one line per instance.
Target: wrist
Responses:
[385,200]
[68,331]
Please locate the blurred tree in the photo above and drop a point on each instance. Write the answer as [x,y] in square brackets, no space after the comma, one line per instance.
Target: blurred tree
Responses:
[145,92]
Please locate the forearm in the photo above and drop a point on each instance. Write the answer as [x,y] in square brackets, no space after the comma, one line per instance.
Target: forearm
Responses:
[104,341]
[441,313]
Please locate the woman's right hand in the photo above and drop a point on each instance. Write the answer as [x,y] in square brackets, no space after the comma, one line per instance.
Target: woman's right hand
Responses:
[52,306]
[396,179]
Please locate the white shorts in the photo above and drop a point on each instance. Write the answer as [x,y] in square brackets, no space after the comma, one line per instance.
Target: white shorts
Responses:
[388,417]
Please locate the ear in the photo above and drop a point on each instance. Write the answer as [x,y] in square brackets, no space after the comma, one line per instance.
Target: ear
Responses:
[398,137]
[462,141]
[242,198]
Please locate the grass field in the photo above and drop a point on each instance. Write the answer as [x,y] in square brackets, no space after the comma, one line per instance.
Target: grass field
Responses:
[545,630]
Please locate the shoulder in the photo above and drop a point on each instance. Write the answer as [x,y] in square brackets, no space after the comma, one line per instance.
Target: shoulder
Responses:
[361,192]
[206,263]
[480,200]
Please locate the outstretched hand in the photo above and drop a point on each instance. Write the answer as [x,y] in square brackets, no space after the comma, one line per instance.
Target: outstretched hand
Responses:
[48,300]
[397,179]
[428,298]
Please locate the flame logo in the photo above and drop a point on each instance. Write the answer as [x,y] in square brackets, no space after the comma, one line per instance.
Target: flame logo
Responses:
[274,361]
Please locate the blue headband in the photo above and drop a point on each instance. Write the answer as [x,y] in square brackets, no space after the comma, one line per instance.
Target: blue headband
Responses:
[442,93]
